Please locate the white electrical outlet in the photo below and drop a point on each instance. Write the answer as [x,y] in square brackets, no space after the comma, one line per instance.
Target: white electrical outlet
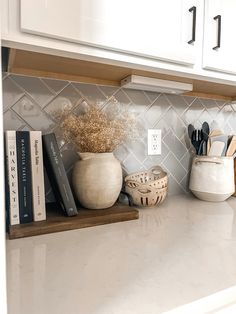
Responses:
[154,142]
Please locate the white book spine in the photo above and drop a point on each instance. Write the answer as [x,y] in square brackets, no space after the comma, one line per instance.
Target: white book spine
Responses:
[11,156]
[38,190]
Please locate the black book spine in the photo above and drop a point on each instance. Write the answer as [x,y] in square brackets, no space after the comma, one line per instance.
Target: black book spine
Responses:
[24,176]
[57,174]
[7,190]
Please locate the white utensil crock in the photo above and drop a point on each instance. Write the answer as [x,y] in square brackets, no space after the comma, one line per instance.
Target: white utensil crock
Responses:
[212,178]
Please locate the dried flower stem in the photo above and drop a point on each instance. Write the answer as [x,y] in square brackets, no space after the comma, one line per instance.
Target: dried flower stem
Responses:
[95,132]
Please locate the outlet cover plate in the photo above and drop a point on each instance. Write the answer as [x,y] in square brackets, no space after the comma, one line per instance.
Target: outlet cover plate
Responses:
[154,142]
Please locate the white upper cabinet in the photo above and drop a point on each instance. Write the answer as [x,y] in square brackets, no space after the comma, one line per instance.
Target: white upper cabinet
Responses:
[158,29]
[219,46]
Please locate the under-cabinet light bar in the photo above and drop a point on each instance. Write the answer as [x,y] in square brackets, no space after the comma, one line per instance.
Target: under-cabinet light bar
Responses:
[155,85]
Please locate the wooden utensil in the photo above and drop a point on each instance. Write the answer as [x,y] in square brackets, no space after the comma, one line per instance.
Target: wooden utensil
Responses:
[213,133]
[232,147]
[234,176]
[217,148]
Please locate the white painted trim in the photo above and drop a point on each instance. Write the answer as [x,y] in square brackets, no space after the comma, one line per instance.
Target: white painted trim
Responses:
[3,293]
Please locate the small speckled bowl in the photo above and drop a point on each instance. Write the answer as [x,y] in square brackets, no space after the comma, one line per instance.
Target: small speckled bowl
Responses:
[147,188]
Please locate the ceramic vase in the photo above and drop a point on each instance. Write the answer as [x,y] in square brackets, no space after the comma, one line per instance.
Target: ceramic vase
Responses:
[97,180]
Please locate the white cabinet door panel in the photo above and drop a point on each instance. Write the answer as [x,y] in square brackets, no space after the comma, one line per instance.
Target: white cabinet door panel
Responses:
[221,59]
[154,28]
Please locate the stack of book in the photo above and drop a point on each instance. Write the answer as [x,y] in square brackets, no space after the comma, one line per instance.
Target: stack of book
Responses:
[26,154]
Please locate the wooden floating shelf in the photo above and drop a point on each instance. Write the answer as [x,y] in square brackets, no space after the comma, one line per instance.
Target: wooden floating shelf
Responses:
[57,222]
[50,66]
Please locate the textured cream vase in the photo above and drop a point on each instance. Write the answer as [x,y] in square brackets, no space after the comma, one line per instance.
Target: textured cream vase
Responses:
[97,180]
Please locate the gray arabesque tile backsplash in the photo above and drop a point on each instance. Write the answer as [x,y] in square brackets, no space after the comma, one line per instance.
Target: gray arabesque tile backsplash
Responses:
[29,103]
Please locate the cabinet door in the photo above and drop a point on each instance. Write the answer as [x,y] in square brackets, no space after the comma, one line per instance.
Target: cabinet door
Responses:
[219,52]
[158,29]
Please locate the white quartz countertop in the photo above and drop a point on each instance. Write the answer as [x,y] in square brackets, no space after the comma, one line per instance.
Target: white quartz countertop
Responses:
[174,254]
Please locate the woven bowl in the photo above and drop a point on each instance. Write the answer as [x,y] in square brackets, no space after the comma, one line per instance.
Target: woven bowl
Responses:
[147,188]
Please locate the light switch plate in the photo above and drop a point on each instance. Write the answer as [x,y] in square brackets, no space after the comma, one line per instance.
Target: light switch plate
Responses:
[154,142]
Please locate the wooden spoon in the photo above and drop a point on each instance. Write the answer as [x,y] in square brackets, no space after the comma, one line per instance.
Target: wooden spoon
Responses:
[232,147]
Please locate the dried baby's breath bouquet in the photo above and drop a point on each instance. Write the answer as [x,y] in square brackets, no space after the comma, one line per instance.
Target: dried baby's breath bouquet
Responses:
[94,131]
